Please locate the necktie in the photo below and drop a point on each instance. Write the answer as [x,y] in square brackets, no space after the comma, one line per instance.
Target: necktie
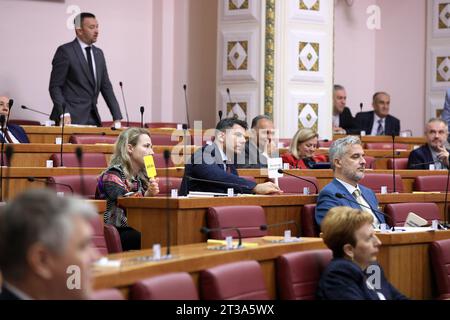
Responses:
[359,199]
[380,130]
[90,63]
[7,136]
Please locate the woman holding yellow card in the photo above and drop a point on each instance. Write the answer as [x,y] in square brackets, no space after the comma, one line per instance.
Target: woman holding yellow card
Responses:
[126,176]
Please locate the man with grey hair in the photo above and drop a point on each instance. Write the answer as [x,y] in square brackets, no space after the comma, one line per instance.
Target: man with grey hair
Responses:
[348,163]
[260,146]
[434,152]
[46,248]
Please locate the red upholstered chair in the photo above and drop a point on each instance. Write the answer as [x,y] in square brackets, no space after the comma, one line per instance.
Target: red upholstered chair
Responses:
[171,286]
[162,124]
[133,124]
[370,162]
[400,164]
[385,146]
[22,122]
[61,183]
[160,162]
[90,160]
[112,238]
[430,183]
[247,218]
[398,212]
[440,261]
[375,181]
[298,273]
[324,143]
[166,189]
[107,294]
[165,140]
[92,139]
[241,280]
[293,185]
[98,238]
[308,223]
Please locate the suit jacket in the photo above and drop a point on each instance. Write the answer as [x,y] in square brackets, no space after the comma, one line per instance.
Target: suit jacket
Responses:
[71,84]
[421,158]
[252,157]
[327,200]
[18,132]
[344,280]
[347,122]
[207,163]
[365,122]
[7,295]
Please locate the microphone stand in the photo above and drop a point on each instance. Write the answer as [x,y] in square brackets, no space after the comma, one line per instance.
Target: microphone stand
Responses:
[166,160]
[62,134]
[37,111]
[446,215]
[79,153]
[125,104]
[393,162]
[2,123]
[186,104]
[185,128]
[9,152]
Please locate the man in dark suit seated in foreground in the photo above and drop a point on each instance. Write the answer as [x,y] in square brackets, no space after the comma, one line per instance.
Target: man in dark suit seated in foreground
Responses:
[434,152]
[379,122]
[14,133]
[216,163]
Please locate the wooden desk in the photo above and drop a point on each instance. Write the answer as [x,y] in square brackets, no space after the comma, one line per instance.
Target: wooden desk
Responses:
[388,139]
[187,216]
[194,258]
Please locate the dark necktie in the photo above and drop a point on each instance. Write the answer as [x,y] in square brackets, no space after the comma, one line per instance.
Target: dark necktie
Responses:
[380,130]
[90,63]
[7,136]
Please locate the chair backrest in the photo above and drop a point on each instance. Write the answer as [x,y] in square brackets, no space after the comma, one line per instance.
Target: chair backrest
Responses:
[400,163]
[298,273]
[324,143]
[98,238]
[241,280]
[370,162]
[308,221]
[107,294]
[22,122]
[162,125]
[293,185]
[164,140]
[61,183]
[131,124]
[112,238]
[375,181]
[398,212]
[440,261]
[171,286]
[166,189]
[160,162]
[385,146]
[92,139]
[247,218]
[90,160]
[430,183]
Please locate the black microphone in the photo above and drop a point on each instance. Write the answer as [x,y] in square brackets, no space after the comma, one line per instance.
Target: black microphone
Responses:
[186,104]
[424,163]
[62,134]
[206,230]
[220,114]
[10,104]
[36,111]
[281,171]
[341,196]
[47,182]
[361,106]
[166,160]
[2,124]
[264,227]
[228,184]
[393,162]
[79,153]
[9,152]
[229,97]
[142,109]
[124,103]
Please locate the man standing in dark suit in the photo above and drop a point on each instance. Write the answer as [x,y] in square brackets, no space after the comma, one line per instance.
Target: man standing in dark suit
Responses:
[216,163]
[343,122]
[379,122]
[434,152]
[14,133]
[79,74]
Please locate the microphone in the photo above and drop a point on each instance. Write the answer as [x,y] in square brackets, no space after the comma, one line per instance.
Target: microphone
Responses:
[2,124]
[142,109]
[361,106]
[79,154]
[206,230]
[185,156]
[220,114]
[10,104]
[166,160]
[424,163]
[393,162]
[234,185]
[341,196]
[62,134]
[281,171]
[186,104]
[9,152]
[36,111]
[229,97]
[124,103]
[264,227]
[47,182]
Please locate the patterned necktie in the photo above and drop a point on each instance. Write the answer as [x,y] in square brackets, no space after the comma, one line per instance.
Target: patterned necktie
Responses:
[380,130]
[359,199]
[90,63]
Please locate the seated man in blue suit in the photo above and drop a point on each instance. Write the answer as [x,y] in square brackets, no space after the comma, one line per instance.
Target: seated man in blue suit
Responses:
[434,152]
[14,133]
[216,163]
[348,163]
[379,122]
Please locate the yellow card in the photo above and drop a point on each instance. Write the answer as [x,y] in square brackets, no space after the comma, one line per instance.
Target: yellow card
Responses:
[150,166]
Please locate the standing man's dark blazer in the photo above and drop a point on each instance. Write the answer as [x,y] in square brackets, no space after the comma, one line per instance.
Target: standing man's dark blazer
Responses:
[18,133]
[347,122]
[365,122]
[207,164]
[72,84]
